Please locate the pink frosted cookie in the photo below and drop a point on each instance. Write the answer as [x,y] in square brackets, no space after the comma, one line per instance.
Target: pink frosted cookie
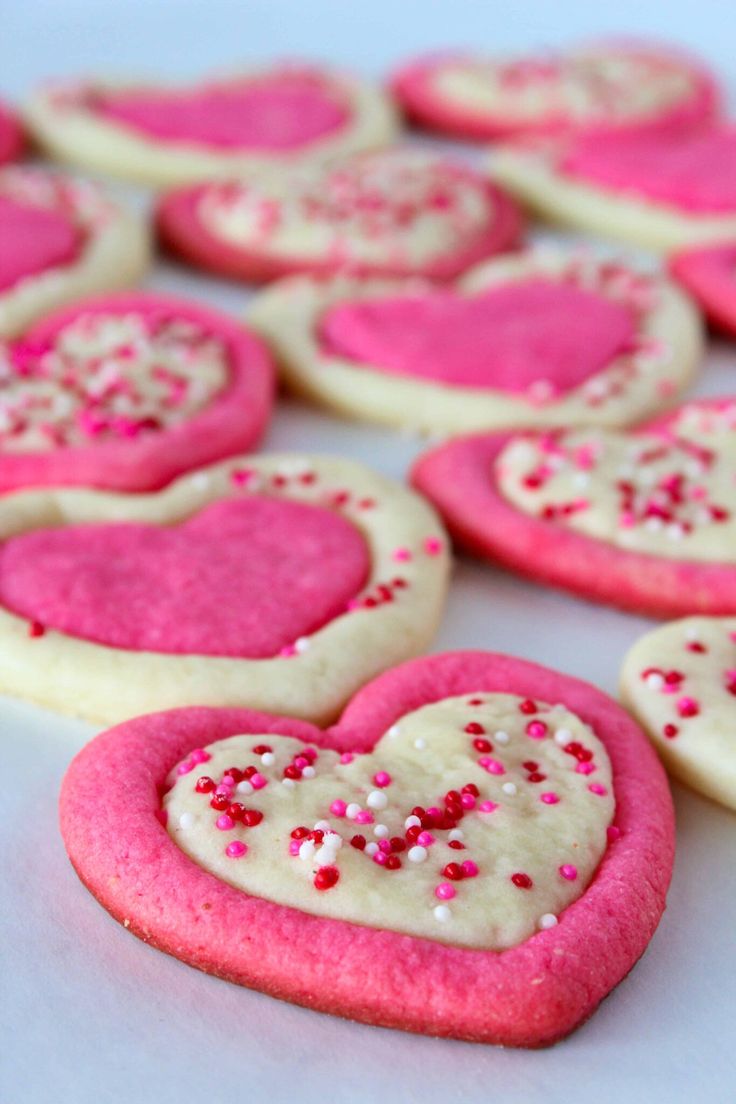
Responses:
[270,117]
[399,212]
[605,87]
[275,582]
[548,337]
[663,190]
[680,682]
[12,140]
[709,275]
[128,391]
[645,521]
[62,238]
[474,825]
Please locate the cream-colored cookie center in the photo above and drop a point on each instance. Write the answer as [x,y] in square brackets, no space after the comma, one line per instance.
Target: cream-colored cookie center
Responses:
[403,208]
[582,86]
[475,821]
[666,494]
[107,376]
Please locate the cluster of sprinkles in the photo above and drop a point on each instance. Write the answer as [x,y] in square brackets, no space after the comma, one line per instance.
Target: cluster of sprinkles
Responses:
[106,376]
[673,482]
[671,683]
[404,204]
[389,832]
[80,201]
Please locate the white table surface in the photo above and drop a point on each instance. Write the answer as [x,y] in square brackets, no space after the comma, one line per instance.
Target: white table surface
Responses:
[88,1014]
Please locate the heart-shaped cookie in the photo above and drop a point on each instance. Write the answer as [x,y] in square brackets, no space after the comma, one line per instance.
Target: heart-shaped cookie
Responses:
[454,833]
[265,582]
[679,681]
[548,337]
[399,212]
[663,190]
[11,135]
[270,117]
[128,391]
[644,521]
[62,238]
[709,274]
[609,86]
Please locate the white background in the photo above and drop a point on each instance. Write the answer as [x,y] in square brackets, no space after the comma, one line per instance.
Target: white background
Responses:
[88,1013]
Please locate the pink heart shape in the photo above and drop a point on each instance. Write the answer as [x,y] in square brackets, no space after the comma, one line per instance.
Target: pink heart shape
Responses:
[530,995]
[244,577]
[506,338]
[33,239]
[278,112]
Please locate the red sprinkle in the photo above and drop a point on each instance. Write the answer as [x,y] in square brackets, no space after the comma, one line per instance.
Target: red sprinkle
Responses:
[523,881]
[326,877]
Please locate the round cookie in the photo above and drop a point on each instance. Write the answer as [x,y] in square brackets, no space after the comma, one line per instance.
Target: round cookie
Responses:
[709,275]
[663,190]
[275,582]
[679,681]
[12,141]
[270,117]
[393,842]
[607,86]
[644,520]
[399,212]
[126,392]
[548,337]
[63,239]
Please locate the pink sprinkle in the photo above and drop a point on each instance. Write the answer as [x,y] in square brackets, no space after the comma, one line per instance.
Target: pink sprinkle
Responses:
[241,476]
[549,798]
[445,891]
[294,846]
[347,757]
[613,833]
[596,788]
[433,811]
[469,868]
[287,651]
[257,781]
[425,839]
[338,807]
[432,546]
[487,806]
[401,555]
[301,761]
[688,707]
[225,822]
[236,849]
[185,767]
[467,800]
[382,778]
[536,729]
[199,755]
[491,765]
[379,857]
[223,790]
[568,871]
[586,768]
[364,817]
[385,846]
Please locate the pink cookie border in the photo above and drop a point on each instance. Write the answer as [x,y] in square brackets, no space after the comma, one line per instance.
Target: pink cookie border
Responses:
[411,87]
[531,995]
[456,478]
[233,422]
[706,272]
[12,137]
[182,233]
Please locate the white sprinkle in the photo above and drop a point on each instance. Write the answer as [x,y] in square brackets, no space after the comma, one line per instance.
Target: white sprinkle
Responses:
[308,772]
[412,822]
[268,758]
[675,531]
[288,783]
[186,820]
[420,744]
[376,800]
[581,480]
[352,810]
[501,737]
[301,644]
[417,854]
[200,481]
[563,736]
[509,788]
[692,633]
[372,849]
[245,787]
[393,732]
[381,831]
[654,681]
[442,913]
[306,850]
[547,921]
[323,826]
[326,855]
[455,834]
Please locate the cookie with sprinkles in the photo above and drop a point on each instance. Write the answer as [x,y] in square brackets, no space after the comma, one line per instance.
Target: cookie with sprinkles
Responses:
[63,239]
[644,520]
[281,582]
[679,681]
[708,273]
[12,141]
[663,190]
[398,212]
[473,824]
[274,116]
[546,337]
[128,391]
[607,86]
